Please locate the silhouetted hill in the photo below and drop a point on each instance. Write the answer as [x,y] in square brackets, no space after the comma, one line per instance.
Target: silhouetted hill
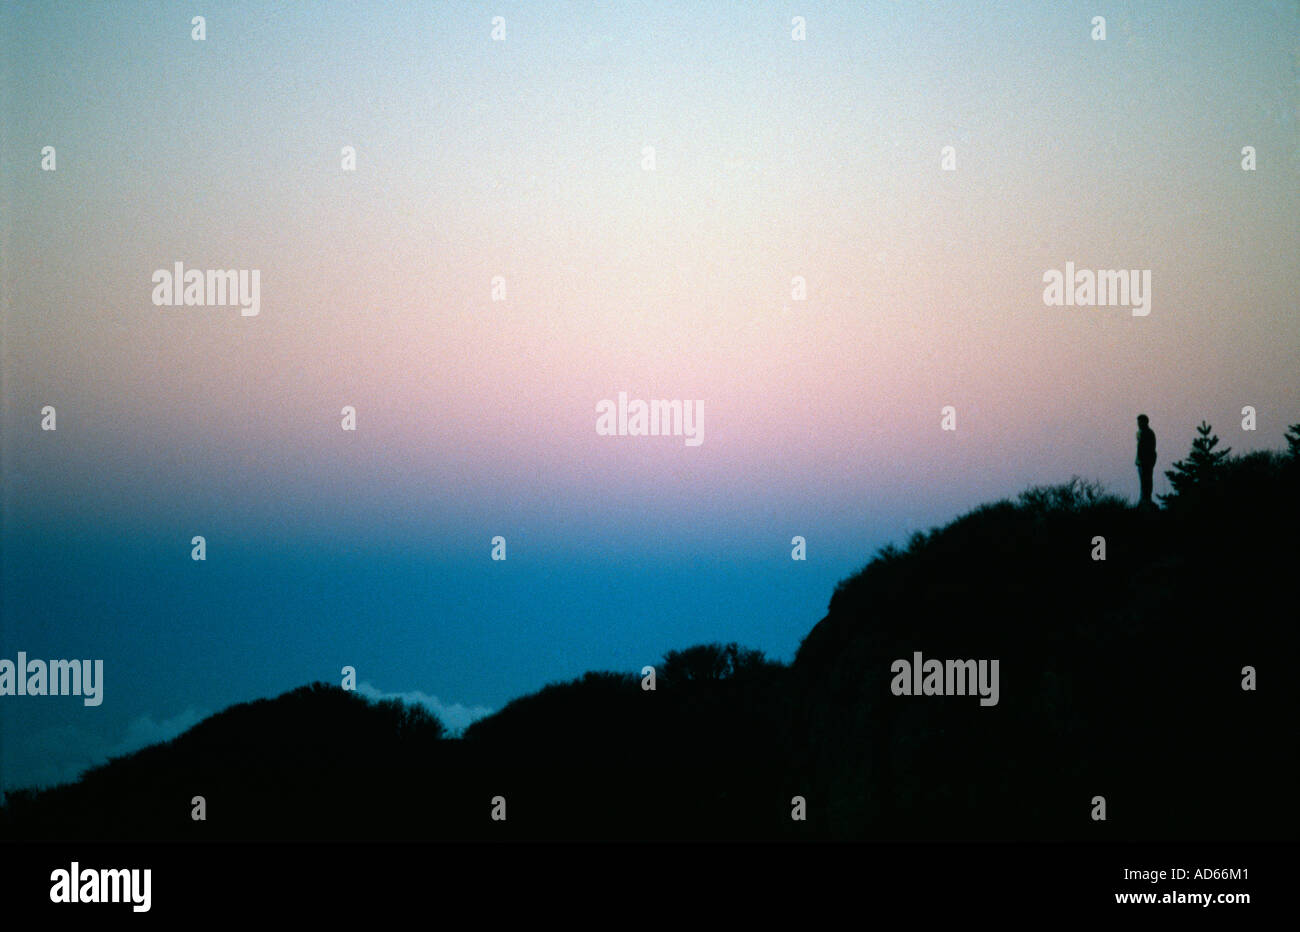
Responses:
[274,767]
[1119,678]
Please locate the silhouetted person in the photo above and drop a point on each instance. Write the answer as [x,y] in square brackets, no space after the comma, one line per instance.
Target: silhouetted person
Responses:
[1146,460]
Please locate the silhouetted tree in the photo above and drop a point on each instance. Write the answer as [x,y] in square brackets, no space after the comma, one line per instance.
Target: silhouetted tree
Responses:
[408,722]
[1202,466]
[711,662]
[1293,441]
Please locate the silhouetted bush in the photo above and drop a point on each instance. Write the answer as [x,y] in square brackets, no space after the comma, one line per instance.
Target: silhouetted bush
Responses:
[1073,496]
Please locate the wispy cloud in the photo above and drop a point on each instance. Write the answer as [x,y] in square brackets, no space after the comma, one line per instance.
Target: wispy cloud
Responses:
[455,716]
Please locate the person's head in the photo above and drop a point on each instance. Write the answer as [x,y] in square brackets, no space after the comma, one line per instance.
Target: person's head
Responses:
[1142,420]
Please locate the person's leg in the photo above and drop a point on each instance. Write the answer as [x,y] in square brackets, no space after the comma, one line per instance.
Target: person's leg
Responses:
[1145,472]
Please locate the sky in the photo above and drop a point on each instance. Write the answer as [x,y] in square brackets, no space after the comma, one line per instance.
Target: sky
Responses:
[774,159]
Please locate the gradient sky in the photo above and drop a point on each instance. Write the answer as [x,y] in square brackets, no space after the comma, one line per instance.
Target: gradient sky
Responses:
[523,159]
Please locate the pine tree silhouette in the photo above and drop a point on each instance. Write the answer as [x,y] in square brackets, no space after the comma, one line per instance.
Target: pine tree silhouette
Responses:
[1201,467]
[1293,441]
